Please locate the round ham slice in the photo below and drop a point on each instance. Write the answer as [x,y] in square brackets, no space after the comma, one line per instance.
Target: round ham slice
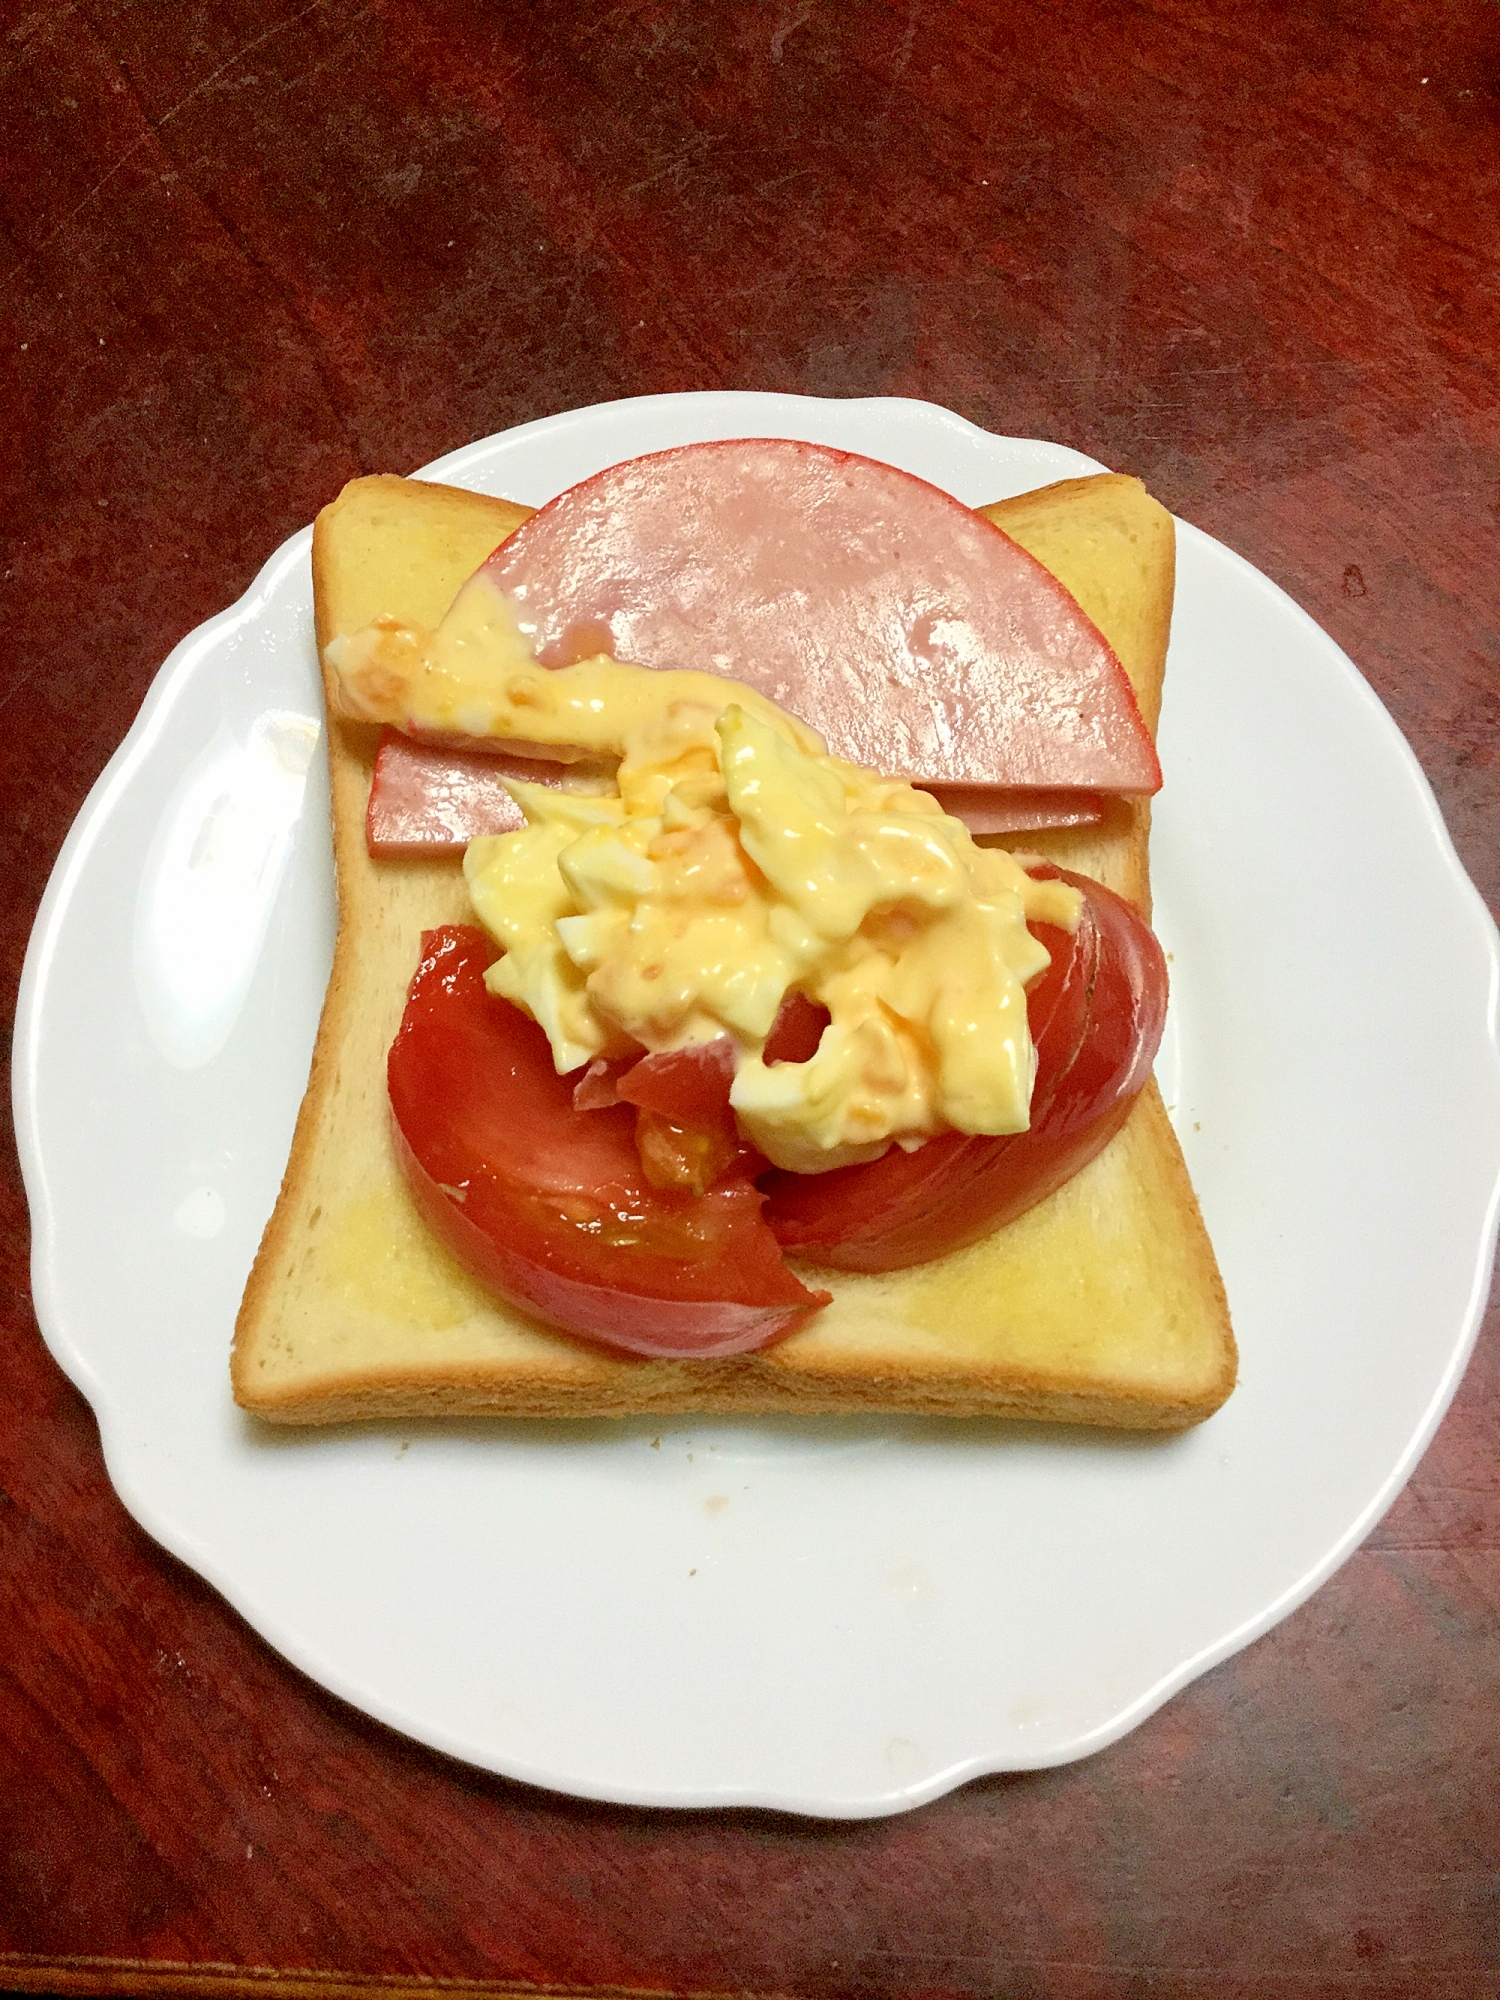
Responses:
[917,638]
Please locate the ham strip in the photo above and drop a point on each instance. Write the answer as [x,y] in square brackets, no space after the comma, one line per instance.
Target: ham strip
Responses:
[988,809]
[426,799]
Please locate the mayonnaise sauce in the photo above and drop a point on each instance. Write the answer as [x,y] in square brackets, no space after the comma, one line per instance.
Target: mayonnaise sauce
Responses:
[733,860]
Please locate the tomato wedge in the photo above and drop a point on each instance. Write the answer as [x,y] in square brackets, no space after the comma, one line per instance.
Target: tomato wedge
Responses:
[550,1207]
[1096,1020]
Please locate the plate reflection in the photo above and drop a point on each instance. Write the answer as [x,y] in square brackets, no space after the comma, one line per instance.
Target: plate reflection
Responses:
[211,879]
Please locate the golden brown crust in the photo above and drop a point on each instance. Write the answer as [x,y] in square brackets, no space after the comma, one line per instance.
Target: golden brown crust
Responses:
[1102,1306]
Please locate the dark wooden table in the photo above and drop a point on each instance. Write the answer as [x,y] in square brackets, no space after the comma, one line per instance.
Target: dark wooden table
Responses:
[1248,252]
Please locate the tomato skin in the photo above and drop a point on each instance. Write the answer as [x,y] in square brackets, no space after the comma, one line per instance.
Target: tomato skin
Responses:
[690,1086]
[550,1207]
[1096,1018]
[685,1132]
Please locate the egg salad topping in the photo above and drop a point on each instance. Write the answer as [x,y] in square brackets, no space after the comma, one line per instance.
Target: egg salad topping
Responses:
[735,861]
[475,676]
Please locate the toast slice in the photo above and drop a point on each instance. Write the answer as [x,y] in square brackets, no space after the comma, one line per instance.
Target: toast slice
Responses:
[1103,1305]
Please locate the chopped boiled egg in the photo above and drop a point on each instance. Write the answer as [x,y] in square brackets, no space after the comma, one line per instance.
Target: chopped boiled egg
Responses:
[735,861]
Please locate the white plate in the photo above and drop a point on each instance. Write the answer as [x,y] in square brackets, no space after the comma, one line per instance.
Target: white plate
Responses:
[830,1617]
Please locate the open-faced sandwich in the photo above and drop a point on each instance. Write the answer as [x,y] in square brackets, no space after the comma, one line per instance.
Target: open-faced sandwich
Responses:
[743,997]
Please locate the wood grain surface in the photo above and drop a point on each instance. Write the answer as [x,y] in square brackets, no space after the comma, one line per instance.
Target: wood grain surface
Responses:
[1248,252]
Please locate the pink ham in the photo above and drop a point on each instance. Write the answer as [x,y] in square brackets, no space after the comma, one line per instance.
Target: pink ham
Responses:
[917,638]
[425,799]
[988,809]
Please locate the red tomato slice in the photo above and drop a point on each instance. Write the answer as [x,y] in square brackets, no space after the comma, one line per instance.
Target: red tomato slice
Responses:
[689,1086]
[551,1207]
[684,1129]
[1096,1019]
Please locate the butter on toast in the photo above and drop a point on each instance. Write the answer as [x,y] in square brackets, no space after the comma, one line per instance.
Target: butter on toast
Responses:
[1102,1305]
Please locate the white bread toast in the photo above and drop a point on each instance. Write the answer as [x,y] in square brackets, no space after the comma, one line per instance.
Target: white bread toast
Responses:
[1102,1305]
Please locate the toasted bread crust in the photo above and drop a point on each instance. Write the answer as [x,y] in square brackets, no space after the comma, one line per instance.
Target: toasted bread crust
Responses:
[1102,1306]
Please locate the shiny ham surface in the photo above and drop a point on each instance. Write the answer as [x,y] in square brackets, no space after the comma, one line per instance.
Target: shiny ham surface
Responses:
[425,799]
[917,638]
